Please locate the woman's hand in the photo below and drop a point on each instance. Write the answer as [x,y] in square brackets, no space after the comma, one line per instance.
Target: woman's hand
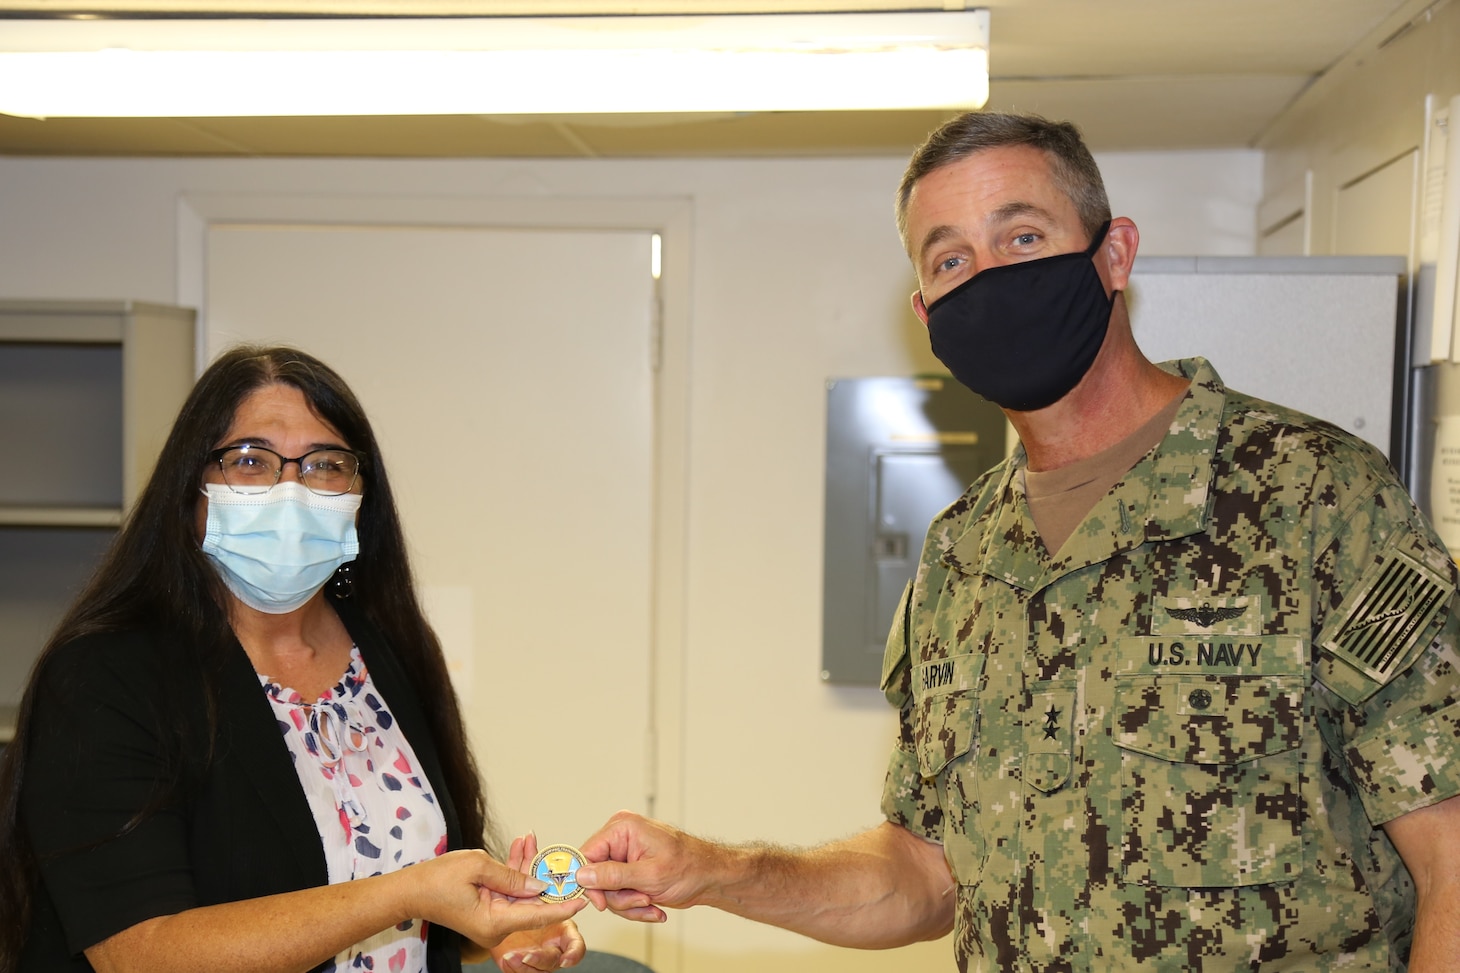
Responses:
[484,900]
[536,950]
[481,898]
[551,948]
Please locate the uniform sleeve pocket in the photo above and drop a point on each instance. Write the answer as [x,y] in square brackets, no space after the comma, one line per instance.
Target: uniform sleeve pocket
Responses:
[1209,779]
[895,654]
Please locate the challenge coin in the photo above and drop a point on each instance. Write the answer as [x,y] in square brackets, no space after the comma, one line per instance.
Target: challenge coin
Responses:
[558,865]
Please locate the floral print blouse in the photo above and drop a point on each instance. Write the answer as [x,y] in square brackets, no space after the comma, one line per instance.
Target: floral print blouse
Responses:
[374,807]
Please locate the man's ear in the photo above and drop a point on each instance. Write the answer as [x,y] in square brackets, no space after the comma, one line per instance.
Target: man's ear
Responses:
[1121,242]
[919,308]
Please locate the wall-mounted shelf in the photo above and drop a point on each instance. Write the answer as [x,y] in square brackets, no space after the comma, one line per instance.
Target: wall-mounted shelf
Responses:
[88,392]
[60,516]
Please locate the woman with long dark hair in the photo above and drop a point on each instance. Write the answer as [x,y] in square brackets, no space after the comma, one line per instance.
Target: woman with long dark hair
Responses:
[243,731]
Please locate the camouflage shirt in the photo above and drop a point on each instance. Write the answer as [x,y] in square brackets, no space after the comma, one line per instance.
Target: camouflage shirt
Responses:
[1172,745]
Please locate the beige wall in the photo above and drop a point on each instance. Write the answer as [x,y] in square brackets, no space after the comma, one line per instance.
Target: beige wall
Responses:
[1355,144]
[795,276]
[1368,111]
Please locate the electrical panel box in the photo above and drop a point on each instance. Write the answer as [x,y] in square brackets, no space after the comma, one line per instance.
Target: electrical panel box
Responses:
[898,450]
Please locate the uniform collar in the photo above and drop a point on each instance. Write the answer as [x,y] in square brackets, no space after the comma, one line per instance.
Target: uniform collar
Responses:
[1166,495]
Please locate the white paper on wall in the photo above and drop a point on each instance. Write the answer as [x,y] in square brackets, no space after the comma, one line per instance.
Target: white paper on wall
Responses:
[1445,481]
[1447,253]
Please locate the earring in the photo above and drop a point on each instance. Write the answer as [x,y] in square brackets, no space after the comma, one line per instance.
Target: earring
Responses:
[342,584]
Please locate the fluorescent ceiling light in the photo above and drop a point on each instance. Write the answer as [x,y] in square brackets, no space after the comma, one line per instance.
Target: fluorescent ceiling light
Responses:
[507,65]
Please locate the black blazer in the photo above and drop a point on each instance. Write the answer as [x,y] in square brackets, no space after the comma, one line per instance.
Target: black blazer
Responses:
[243,829]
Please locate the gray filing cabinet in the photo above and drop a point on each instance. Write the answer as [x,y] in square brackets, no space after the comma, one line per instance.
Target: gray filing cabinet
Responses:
[88,393]
[898,450]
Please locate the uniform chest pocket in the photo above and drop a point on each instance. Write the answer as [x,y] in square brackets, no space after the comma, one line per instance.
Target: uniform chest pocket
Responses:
[945,709]
[946,728]
[1209,779]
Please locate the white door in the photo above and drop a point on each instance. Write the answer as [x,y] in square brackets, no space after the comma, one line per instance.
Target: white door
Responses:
[508,375]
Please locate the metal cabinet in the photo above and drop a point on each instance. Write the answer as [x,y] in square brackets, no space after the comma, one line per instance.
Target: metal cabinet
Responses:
[88,392]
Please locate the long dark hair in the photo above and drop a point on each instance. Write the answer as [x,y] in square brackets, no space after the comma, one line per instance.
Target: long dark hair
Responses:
[155,575]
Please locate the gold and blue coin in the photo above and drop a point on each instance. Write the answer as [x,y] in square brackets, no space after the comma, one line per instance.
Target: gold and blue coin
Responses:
[557,866]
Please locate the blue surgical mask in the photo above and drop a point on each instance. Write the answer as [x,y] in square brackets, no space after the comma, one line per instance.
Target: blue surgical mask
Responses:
[275,549]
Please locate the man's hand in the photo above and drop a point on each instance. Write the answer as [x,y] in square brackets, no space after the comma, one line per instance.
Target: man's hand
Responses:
[636,865]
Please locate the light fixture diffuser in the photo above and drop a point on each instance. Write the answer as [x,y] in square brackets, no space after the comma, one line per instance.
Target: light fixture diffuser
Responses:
[491,66]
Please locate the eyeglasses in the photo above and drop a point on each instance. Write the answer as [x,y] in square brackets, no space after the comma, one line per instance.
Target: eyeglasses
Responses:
[254,469]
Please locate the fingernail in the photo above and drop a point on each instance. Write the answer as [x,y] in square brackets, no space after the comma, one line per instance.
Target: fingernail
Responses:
[533,885]
[585,876]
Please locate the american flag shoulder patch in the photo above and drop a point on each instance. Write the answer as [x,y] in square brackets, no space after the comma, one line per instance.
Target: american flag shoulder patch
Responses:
[1385,618]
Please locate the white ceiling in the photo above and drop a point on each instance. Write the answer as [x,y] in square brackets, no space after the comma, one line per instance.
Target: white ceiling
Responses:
[1134,74]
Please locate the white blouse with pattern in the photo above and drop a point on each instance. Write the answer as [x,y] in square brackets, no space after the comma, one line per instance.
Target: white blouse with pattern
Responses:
[374,807]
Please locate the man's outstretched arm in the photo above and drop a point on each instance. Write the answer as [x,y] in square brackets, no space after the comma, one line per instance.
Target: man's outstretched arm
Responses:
[882,888]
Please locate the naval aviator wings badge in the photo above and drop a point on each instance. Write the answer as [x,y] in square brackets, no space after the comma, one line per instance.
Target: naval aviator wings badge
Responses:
[1206,616]
[558,865]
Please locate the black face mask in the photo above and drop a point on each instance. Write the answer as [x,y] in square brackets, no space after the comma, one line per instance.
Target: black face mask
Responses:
[1022,335]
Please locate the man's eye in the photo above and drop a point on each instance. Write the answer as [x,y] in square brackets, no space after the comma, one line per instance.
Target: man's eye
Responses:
[950,263]
[1026,239]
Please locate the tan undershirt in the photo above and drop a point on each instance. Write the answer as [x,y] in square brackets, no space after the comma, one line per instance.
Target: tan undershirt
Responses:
[1060,499]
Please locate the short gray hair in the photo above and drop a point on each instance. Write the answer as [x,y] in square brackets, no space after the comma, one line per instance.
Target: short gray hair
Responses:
[1070,162]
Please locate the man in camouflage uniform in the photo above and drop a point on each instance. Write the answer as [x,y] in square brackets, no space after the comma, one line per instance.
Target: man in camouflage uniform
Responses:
[1177,682]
